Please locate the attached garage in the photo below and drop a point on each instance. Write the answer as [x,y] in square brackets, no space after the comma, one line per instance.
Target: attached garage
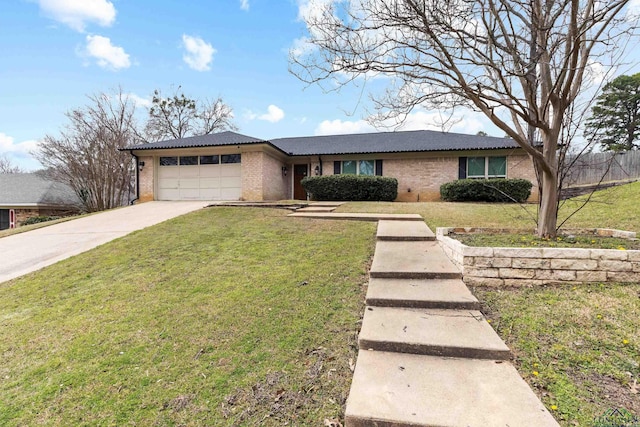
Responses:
[204,177]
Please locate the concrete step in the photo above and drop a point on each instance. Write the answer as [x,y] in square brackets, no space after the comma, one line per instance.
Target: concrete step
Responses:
[421,293]
[317,209]
[412,260]
[394,389]
[435,332]
[333,204]
[357,216]
[404,231]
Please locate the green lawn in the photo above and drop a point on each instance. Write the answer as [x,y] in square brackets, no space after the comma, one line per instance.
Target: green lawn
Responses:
[242,316]
[616,207]
[227,316]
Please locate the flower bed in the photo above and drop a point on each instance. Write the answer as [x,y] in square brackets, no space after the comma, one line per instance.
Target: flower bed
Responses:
[489,266]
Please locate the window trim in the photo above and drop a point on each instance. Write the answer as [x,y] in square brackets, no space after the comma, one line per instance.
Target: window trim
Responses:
[375,163]
[486,174]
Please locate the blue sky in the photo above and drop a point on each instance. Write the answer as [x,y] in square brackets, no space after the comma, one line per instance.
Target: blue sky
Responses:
[55,52]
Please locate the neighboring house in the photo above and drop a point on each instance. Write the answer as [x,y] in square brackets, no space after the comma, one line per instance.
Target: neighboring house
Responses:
[230,166]
[25,195]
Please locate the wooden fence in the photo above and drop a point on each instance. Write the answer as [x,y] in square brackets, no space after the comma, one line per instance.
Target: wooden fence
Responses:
[593,167]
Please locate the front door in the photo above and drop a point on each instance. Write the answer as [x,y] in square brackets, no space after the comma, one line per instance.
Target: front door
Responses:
[4,219]
[299,173]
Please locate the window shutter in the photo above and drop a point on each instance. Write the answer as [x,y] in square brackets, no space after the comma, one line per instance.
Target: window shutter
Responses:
[379,167]
[462,167]
[336,167]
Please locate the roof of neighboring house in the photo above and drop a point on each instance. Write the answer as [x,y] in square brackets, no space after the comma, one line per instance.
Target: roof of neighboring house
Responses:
[31,189]
[363,143]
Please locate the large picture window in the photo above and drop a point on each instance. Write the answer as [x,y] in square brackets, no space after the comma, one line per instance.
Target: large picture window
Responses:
[483,167]
[357,167]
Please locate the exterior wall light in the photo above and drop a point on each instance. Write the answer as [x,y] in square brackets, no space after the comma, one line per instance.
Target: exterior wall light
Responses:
[317,170]
[284,171]
[140,166]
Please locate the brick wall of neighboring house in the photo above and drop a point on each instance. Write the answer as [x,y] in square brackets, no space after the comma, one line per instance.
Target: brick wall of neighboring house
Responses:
[419,180]
[146,179]
[24,214]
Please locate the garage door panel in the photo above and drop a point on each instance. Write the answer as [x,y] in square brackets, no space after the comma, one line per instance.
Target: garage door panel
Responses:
[210,194]
[233,170]
[210,171]
[200,182]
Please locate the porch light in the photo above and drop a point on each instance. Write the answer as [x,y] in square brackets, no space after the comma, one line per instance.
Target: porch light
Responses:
[140,166]
[317,170]
[284,171]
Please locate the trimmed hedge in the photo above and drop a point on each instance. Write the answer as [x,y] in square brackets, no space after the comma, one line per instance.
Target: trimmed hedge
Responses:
[351,188]
[38,219]
[486,190]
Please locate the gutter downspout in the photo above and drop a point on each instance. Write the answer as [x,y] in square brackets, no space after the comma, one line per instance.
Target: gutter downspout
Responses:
[137,178]
[320,162]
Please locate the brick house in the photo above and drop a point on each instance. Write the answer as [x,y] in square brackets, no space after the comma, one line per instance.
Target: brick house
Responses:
[26,195]
[231,166]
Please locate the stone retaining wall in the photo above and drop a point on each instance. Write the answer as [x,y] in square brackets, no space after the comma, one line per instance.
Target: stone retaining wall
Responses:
[486,266]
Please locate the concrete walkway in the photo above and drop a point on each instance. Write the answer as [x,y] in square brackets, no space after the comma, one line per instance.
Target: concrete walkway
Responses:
[32,250]
[427,356]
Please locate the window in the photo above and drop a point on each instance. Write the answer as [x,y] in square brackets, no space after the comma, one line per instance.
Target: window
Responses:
[483,167]
[230,158]
[358,167]
[209,160]
[168,161]
[189,161]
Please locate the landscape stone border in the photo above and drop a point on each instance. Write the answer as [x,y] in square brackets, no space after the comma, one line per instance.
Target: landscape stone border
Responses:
[488,266]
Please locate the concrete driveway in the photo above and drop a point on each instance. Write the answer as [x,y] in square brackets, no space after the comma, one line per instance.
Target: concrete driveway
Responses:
[30,251]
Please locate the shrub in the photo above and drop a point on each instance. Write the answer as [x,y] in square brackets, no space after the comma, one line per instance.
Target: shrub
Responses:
[486,190]
[352,188]
[38,219]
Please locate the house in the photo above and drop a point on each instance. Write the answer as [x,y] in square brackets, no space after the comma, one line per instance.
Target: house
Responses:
[231,166]
[26,195]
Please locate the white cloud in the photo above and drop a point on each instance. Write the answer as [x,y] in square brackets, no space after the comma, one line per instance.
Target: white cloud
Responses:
[107,55]
[9,145]
[244,4]
[138,100]
[338,127]
[468,123]
[273,115]
[78,13]
[199,53]
[19,153]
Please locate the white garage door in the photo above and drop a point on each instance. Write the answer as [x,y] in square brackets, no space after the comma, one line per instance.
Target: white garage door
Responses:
[214,177]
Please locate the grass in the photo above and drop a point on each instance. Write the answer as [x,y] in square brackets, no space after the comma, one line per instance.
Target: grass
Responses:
[577,347]
[227,316]
[615,207]
[515,240]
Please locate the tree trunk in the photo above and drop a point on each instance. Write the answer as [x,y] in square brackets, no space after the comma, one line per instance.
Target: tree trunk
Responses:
[548,215]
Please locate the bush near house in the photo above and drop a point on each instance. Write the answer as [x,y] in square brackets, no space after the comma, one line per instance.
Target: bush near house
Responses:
[38,219]
[352,188]
[486,190]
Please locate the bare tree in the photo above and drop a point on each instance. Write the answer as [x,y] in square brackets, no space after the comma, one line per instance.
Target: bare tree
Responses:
[85,155]
[178,116]
[7,166]
[523,63]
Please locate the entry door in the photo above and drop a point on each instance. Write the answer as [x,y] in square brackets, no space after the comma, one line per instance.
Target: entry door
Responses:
[299,173]
[4,219]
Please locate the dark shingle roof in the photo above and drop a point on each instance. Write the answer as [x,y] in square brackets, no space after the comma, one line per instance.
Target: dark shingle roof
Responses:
[363,143]
[31,189]
[210,140]
[390,142]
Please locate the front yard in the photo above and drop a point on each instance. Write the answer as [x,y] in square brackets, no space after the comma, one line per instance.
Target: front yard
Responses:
[242,316]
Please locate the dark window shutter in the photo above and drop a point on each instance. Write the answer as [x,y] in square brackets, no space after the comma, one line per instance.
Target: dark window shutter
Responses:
[379,167]
[336,167]
[462,167]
